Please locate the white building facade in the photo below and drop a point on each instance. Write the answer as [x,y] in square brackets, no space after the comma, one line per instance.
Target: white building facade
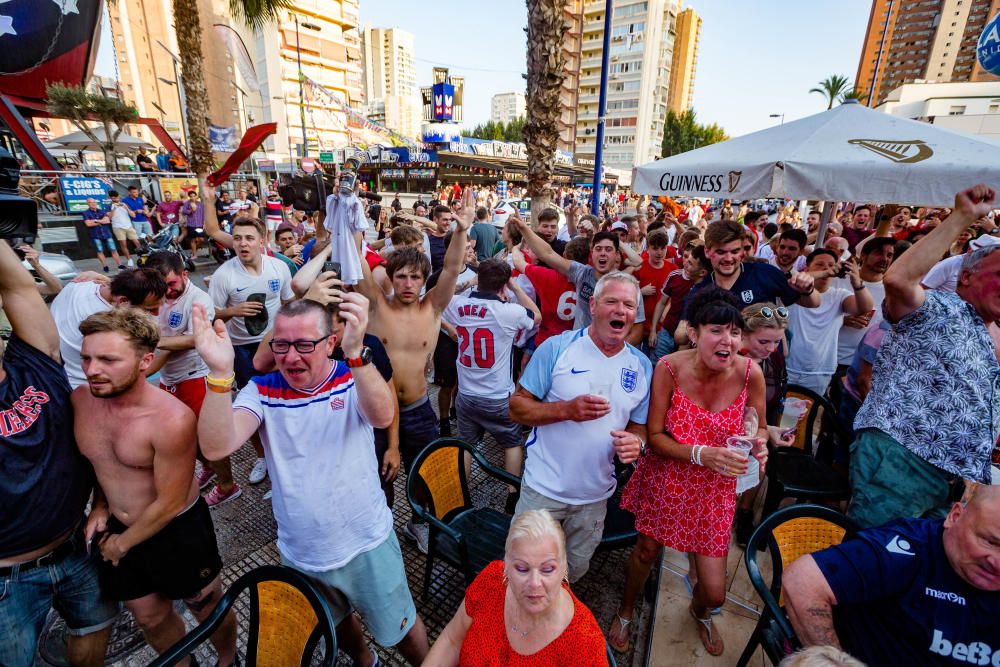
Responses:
[505,107]
[970,107]
[391,80]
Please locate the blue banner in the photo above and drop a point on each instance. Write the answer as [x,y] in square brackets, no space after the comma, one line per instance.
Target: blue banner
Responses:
[77,189]
[407,155]
[223,139]
[444,101]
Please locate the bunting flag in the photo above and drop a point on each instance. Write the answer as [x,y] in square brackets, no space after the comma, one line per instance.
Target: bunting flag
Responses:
[253,138]
[361,130]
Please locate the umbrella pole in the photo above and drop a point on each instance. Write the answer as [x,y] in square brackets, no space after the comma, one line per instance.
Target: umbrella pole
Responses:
[828,208]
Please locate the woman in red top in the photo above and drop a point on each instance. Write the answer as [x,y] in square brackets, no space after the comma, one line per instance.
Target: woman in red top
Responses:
[520,611]
[683,493]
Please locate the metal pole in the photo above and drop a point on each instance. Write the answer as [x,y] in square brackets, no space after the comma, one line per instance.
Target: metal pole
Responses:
[878,58]
[595,197]
[302,102]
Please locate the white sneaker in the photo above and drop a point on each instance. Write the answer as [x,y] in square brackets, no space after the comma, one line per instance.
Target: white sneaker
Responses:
[259,472]
[419,533]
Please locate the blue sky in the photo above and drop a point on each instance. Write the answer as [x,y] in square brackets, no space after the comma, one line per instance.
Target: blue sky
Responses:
[756,57]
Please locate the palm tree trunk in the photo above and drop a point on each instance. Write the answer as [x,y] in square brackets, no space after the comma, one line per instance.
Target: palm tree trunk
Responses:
[188,27]
[545,78]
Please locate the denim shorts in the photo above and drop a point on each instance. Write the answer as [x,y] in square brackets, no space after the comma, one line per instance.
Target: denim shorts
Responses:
[70,586]
[373,583]
[104,245]
[243,363]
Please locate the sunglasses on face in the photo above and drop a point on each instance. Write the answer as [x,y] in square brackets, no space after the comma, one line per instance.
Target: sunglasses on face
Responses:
[301,346]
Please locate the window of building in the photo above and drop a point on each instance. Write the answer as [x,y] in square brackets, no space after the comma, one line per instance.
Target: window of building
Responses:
[956,110]
[994,108]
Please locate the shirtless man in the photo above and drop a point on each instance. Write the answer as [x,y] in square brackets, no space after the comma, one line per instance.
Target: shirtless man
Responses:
[152,528]
[408,325]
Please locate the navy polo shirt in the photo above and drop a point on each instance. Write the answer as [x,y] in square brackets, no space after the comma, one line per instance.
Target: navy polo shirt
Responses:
[757,283]
[899,602]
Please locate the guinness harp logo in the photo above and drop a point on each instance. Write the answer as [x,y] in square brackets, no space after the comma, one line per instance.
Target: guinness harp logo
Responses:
[902,152]
[734,179]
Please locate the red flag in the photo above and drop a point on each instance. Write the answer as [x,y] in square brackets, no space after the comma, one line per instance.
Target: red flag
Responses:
[253,138]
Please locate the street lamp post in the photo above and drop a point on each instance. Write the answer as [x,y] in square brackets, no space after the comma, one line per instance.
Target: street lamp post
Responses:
[779,115]
[288,134]
[602,103]
[180,92]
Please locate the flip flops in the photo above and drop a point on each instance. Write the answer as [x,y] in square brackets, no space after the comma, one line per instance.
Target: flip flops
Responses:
[622,627]
[710,639]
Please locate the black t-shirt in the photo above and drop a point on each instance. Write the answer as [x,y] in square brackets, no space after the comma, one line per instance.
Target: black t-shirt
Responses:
[380,359]
[222,211]
[756,283]
[899,602]
[437,251]
[45,482]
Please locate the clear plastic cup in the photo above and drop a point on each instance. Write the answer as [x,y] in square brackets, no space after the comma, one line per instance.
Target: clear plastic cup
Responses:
[744,446]
[601,388]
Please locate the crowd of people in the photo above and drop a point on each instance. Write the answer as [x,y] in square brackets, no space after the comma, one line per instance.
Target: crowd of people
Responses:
[649,340]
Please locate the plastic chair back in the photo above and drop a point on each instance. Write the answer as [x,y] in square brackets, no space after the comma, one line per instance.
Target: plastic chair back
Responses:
[289,614]
[441,468]
[789,533]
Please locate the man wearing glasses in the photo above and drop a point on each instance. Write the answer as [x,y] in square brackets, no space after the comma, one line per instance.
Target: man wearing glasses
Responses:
[315,417]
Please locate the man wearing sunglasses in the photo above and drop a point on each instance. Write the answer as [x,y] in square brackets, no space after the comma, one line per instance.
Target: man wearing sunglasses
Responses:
[315,417]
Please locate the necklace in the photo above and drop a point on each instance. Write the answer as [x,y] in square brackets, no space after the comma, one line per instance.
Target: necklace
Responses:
[523,633]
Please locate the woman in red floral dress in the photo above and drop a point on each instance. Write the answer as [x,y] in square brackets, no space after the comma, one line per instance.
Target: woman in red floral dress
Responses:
[683,493]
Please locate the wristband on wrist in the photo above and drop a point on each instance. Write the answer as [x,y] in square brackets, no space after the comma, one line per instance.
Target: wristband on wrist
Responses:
[220,386]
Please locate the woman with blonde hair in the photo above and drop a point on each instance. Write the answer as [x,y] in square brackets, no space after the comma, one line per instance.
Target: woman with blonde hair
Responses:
[520,611]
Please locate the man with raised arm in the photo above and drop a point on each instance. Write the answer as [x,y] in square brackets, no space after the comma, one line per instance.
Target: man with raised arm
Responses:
[932,416]
[44,490]
[315,417]
[408,324]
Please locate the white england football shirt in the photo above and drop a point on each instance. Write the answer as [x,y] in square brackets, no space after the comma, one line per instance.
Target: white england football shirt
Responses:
[573,462]
[75,303]
[486,328]
[175,320]
[232,284]
[319,449]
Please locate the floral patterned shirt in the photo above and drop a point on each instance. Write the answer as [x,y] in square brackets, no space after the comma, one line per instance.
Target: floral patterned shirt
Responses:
[936,387]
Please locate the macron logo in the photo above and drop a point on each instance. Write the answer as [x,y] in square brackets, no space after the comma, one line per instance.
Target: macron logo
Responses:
[898,545]
[944,595]
[976,653]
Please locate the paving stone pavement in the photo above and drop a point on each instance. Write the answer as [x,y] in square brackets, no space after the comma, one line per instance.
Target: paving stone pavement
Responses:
[246,532]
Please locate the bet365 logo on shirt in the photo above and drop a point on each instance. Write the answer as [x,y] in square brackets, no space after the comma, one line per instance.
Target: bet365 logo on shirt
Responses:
[976,653]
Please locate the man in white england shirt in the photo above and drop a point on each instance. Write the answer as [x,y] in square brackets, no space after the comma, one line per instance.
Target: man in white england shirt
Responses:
[182,370]
[315,416]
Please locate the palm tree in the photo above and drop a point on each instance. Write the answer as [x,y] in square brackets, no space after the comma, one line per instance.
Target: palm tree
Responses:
[831,87]
[546,63]
[79,106]
[856,94]
[255,14]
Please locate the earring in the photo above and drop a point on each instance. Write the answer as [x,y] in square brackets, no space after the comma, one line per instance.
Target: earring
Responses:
[503,579]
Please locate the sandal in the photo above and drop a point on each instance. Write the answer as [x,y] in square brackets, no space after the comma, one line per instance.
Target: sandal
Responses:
[715,647]
[622,626]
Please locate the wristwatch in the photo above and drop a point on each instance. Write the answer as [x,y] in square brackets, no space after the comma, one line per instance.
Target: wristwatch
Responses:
[363,359]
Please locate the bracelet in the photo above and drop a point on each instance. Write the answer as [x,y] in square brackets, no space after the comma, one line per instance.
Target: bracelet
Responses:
[217,382]
[696,454]
[858,288]
[220,389]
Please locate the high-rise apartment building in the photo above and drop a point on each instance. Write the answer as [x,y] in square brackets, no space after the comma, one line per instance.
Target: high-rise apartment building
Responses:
[505,107]
[921,40]
[642,43]
[685,60]
[325,36]
[569,94]
[391,80]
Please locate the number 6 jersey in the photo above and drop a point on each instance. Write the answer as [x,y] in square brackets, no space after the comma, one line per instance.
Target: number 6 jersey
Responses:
[486,328]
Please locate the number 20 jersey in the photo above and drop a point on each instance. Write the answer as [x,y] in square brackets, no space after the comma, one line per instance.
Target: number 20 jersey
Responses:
[486,328]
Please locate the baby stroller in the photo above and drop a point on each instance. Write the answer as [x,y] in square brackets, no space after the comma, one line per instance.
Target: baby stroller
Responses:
[166,239]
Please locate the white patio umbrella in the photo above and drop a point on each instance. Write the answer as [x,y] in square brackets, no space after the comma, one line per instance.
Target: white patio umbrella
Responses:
[849,153]
[81,141]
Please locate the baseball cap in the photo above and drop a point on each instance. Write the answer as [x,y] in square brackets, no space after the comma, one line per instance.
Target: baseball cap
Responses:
[984,241]
[619,225]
